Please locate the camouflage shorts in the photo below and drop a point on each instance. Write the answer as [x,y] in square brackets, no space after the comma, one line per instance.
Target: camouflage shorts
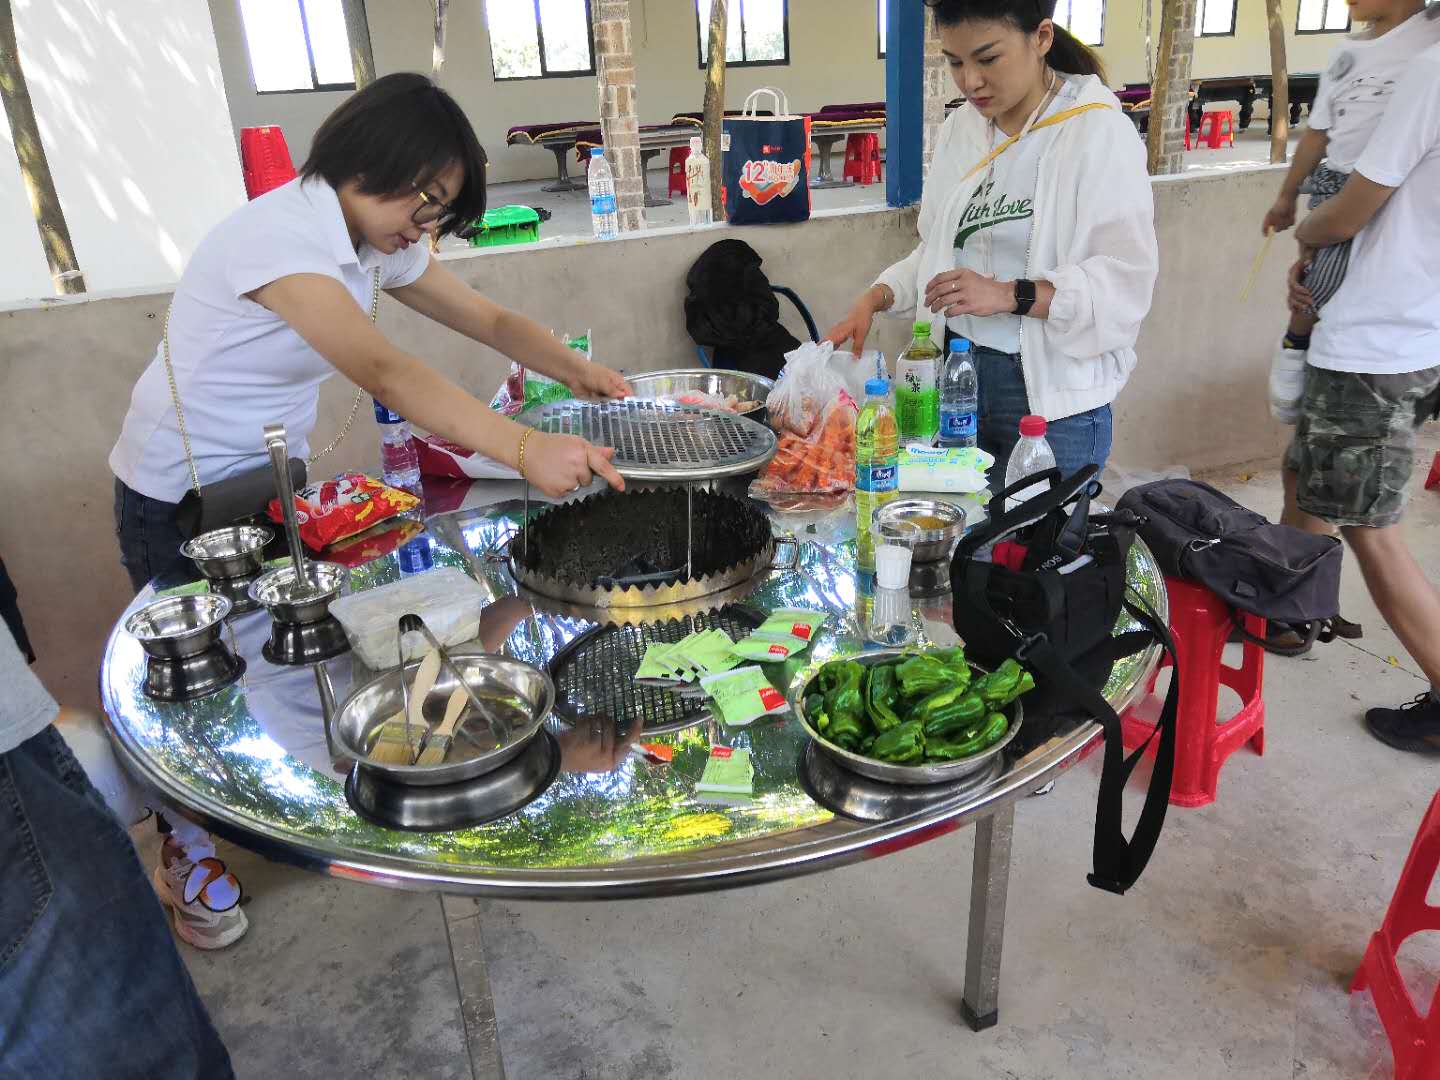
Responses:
[1354,448]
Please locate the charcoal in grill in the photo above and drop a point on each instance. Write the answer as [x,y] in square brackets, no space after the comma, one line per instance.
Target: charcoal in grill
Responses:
[616,539]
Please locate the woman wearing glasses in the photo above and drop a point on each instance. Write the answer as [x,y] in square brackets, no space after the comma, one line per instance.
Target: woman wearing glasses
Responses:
[281,294]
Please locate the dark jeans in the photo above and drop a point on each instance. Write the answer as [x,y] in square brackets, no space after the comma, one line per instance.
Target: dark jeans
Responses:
[149,538]
[91,983]
[1077,441]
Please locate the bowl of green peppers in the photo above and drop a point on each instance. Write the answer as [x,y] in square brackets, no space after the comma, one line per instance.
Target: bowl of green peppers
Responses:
[909,716]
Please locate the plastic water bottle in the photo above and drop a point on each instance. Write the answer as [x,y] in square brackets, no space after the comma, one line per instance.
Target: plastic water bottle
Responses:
[399,459]
[1032,454]
[959,398]
[416,556]
[917,400]
[603,214]
[877,466]
[697,185]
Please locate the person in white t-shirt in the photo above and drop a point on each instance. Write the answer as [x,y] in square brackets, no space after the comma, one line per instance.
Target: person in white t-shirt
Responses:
[1356,86]
[280,295]
[1354,90]
[1374,378]
[1037,232]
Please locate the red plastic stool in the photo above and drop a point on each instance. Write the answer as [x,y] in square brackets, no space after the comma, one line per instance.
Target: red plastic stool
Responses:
[264,159]
[1216,126]
[1200,623]
[678,156]
[862,158]
[1414,1039]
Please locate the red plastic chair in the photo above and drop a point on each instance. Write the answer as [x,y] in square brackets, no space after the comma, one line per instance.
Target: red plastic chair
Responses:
[678,156]
[862,158]
[1215,127]
[264,159]
[1201,622]
[1414,1039]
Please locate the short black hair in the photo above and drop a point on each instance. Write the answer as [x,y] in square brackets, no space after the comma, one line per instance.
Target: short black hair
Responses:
[396,134]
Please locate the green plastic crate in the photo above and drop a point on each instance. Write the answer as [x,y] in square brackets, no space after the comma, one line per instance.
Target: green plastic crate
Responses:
[507,225]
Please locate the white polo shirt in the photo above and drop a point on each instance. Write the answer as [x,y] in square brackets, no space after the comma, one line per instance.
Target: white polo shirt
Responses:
[1385,318]
[238,365]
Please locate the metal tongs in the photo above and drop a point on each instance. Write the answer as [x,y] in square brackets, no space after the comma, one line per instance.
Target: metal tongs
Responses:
[280,462]
[498,728]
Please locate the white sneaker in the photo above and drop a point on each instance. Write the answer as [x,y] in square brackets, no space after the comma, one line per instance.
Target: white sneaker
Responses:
[204,896]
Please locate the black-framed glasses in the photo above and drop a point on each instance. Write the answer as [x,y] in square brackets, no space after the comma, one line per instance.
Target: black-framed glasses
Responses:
[431,209]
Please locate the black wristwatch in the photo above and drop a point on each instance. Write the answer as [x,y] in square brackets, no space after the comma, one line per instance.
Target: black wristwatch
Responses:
[1024,296]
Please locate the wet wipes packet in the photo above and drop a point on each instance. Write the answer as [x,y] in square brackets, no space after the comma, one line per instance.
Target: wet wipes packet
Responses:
[786,632]
[710,651]
[728,776]
[743,695]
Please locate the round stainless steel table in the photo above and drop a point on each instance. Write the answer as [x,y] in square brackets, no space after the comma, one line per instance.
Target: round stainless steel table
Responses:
[252,763]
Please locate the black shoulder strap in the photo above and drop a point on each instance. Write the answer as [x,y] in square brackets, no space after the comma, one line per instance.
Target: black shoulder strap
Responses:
[1118,862]
[1060,493]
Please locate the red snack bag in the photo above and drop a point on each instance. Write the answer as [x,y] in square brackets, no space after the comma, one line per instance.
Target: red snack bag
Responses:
[335,509]
[373,543]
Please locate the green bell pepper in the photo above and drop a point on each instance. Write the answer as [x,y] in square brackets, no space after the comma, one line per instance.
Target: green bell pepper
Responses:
[815,712]
[845,731]
[922,675]
[902,745]
[882,696]
[942,750]
[949,712]
[1005,683]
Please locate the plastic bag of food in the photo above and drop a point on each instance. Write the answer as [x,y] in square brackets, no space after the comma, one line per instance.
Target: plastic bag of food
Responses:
[823,464]
[805,389]
[525,389]
[441,457]
[350,503]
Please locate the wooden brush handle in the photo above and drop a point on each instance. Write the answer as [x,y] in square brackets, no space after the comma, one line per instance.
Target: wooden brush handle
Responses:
[454,709]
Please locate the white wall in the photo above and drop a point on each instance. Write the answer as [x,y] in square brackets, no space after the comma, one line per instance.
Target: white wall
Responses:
[832,60]
[131,109]
[23,271]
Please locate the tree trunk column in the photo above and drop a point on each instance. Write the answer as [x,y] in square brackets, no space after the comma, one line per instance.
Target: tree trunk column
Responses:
[1170,91]
[619,115]
[939,88]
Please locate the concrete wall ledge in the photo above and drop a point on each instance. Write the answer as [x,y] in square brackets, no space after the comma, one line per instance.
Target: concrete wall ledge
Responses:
[67,367]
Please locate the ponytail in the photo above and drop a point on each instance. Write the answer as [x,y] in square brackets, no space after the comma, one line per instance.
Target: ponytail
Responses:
[1067,54]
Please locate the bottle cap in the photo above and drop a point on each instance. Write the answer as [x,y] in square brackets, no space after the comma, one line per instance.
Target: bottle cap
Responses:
[892,566]
[1032,425]
[597,151]
[922,329]
[960,344]
[877,387]
[696,145]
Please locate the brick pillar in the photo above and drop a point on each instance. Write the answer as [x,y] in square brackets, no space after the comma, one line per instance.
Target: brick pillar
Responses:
[1177,86]
[939,88]
[619,116]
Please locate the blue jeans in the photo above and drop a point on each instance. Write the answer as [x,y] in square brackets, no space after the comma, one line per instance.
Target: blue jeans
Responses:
[149,538]
[91,983]
[1079,440]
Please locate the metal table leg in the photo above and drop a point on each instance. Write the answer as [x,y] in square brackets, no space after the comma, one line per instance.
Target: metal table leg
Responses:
[988,886]
[562,171]
[650,198]
[824,178]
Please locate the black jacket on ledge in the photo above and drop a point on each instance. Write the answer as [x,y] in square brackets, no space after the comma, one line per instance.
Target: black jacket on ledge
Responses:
[732,311]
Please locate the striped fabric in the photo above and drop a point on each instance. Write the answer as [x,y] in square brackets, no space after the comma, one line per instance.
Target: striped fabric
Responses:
[1328,266]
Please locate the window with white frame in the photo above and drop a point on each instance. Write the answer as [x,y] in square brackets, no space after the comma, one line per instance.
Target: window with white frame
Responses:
[1085,19]
[540,39]
[880,20]
[1217,18]
[297,45]
[1322,17]
[757,32]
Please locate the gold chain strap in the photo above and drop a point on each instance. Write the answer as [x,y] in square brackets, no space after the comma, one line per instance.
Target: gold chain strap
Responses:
[180,413]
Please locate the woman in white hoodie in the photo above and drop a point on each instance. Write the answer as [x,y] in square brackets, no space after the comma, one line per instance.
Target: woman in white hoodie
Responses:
[1037,233]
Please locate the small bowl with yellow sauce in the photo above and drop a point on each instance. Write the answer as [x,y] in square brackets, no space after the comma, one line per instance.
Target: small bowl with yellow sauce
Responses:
[930,528]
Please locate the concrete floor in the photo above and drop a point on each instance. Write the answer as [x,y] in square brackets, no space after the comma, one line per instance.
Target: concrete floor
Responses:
[1232,957]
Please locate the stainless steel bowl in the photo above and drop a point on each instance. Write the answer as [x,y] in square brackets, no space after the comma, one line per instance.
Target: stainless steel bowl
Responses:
[670,384]
[277,592]
[946,772]
[895,523]
[179,626]
[487,674]
[234,552]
